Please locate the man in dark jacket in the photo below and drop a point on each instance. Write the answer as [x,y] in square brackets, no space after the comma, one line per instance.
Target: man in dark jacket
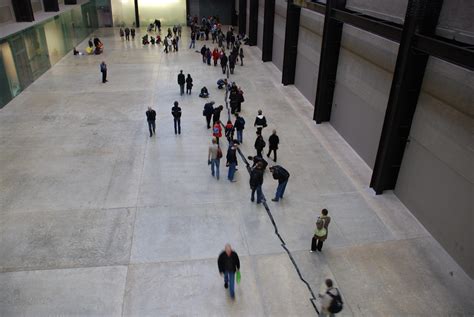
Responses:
[273,141]
[282,175]
[259,143]
[151,118]
[181,81]
[176,112]
[256,182]
[224,60]
[232,161]
[103,70]
[257,159]
[228,263]
[208,112]
[239,126]
[217,114]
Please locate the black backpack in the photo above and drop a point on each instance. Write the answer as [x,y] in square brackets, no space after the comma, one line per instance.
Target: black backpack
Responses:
[336,303]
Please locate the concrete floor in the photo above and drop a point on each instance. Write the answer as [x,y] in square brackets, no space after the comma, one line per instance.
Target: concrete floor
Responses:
[98,219]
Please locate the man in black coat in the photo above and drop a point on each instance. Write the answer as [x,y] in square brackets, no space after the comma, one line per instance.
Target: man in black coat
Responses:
[228,263]
[259,143]
[151,118]
[256,182]
[176,112]
[224,60]
[282,175]
[181,81]
[208,112]
[273,141]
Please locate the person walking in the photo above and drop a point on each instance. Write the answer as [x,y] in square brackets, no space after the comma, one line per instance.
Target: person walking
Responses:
[132,33]
[151,119]
[176,112]
[103,70]
[260,121]
[232,160]
[189,86]
[213,158]
[324,216]
[239,126]
[203,53]
[217,130]
[215,55]
[224,60]
[282,175]
[331,300]
[208,112]
[273,142]
[259,144]
[256,182]
[193,40]
[241,55]
[320,235]
[127,34]
[232,60]
[121,33]
[181,82]
[228,264]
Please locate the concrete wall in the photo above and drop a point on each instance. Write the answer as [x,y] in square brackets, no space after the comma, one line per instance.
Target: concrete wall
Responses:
[364,77]
[6,12]
[309,48]
[247,20]
[436,180]
[261,11]
[392,10]
[279,33]
[220,8]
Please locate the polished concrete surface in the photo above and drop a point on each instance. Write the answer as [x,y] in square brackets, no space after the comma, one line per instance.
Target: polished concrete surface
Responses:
[99,219]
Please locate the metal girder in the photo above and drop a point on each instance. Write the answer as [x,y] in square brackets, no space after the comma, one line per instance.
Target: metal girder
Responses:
[137,15]
[422,16]
[253,22]
[450,51]
[23,11]
[268,22]
[330,47]
[291,43]
[51,5]
[242,16]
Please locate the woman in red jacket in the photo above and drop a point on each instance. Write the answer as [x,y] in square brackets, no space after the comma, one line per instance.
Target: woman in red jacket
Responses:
[215,56]
[217,130]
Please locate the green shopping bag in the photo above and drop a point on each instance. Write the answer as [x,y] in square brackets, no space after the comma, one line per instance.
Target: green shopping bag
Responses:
[238,277]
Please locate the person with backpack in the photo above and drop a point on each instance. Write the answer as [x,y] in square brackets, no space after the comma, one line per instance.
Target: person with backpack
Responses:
[320,235]
[189,85]
[217,114]
[282,175]
[257,159]
[181,82]
[151,119]
[331,300]
[273,142]
[239,126]
[208,112]
[213,158]
[256,182]
[176,112]
[228,264]
[217,130]
[260,121]
[259,144]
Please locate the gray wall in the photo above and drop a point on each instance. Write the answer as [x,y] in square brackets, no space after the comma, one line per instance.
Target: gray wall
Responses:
[309,48]
[279,33]
[363,81]
[261,10]
[436,180]
[6,12]
[220,8]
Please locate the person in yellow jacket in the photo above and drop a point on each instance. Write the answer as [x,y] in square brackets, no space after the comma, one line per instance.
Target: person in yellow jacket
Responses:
[320,235]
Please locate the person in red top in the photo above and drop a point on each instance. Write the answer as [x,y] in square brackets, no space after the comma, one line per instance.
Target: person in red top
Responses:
[217,130]
[215,56]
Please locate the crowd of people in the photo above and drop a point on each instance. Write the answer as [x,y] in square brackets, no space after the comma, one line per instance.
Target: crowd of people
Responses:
[231,129]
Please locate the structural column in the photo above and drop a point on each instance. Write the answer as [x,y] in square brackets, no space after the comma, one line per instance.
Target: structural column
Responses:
[137,15]
[422,17]
[253,22]
[51,5]
[330,47]
[23,10]
[70,1]
[291,43]
[268,23]
[242,16]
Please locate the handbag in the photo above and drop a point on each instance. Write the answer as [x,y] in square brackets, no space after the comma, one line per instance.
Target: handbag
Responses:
[238,277]
[219,153]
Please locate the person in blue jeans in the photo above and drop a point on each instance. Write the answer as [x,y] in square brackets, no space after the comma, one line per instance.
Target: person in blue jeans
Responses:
[282,175]
[239,126]
[228,263]
[213,158]
[256,182]
[232,160]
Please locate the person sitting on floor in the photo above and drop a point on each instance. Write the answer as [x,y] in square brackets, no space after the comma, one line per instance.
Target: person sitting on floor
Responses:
[221,83]
[145,40]
[204,93]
